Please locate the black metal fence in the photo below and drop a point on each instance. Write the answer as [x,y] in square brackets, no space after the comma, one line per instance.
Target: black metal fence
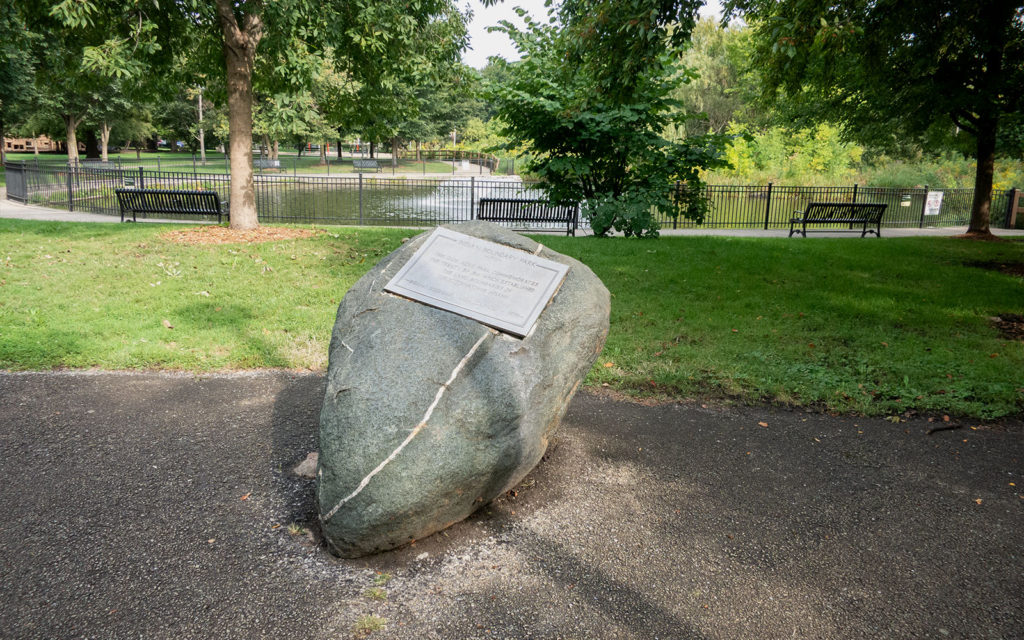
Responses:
[406,201]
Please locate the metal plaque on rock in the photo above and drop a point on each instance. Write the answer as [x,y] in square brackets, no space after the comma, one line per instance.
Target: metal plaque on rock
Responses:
[492,283]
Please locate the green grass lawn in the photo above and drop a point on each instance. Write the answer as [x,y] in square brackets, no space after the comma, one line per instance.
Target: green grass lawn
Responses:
[873,326]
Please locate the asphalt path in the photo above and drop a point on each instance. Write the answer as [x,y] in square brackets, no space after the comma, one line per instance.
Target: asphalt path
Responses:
[164,506]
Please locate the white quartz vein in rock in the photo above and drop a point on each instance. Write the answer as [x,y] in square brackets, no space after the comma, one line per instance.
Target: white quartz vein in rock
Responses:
[419,427]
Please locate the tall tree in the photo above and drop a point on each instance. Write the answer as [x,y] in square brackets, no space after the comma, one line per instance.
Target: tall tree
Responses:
[372,41]
[884,66]
[16,72]
[238,41]
[596,129]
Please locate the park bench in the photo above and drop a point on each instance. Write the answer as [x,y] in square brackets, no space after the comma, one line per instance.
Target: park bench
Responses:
[839,213]
[366,163]
[517,211]
[201,203]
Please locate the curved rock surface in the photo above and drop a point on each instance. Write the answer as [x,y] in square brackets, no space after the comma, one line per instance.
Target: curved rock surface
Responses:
[429,415]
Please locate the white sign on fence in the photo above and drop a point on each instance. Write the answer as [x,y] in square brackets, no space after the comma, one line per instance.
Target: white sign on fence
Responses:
[491,283]
[933,203]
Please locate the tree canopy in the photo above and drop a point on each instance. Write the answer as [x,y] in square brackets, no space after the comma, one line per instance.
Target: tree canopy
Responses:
[899,68]
[597,130]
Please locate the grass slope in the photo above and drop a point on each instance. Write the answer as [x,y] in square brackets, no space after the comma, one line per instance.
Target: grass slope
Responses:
[873,326]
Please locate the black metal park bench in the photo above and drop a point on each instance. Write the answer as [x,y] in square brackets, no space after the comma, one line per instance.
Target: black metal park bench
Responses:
[851,213]
[369,164]
[200,203]
[528,211]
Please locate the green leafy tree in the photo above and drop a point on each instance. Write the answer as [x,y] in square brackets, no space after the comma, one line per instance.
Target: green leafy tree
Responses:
[239,43]
[716,90]
[16,72]
[596,130]
[899,66]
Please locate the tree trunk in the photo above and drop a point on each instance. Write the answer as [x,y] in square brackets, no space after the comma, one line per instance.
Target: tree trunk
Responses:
[339,149]
[372,145]
[70,125]
[202,132]
[275,151]
[92,145]
[104,141]
[323,152]
[3,151]
[417,151]
[981,208]
[394,152]
[239,52]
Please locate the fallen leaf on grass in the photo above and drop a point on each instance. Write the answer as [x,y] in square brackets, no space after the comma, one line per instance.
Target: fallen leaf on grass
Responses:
[167,323]
[609,364]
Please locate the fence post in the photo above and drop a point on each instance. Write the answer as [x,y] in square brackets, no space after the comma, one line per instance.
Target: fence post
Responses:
[142,182]
[227,169]
[924,204]
[472,195]
[71,191]
[1011,211]
[193,165]
[158,164]
[855,193]
[768,207]
[295,166]
[360,198]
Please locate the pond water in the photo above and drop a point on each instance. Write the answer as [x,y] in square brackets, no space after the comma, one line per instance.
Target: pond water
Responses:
[381,201]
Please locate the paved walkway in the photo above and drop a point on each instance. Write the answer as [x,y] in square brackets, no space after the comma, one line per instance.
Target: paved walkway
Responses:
[163,506]
[12,209]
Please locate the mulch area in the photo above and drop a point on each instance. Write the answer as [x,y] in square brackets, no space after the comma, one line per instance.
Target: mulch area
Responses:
[1009,268]
[1010,325]
[225,235]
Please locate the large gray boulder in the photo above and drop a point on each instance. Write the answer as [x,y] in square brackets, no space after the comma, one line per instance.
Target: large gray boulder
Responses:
[429,415]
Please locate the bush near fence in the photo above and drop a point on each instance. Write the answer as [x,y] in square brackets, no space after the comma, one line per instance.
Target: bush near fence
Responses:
[432,201]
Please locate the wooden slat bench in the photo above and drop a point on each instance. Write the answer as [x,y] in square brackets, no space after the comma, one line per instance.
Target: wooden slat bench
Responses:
[200,203]
[514,211]
[370,164]
[839,213]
